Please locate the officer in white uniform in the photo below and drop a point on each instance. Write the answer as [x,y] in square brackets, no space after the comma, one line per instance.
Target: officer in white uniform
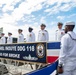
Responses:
[30,35]
[43,34]
[9,39]
[60,32]
[67,58]
[3,39]
[20,36]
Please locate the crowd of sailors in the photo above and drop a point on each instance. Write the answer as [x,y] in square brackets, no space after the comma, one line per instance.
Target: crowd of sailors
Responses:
[43,35]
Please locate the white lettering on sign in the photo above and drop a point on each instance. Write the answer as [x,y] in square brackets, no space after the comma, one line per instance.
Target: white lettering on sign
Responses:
[30,48]
[18,48]
[1,47]
[14,55]
[21,48]
[10,48]
[0,54]
[5,54]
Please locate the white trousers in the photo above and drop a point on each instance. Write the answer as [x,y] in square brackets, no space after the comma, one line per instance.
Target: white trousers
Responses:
[69,73]
[69,68]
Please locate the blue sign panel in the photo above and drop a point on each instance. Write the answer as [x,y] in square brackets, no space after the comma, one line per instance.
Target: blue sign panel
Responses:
[31,52]
[53,45]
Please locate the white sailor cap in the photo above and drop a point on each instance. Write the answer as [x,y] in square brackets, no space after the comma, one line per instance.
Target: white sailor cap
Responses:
[70,23]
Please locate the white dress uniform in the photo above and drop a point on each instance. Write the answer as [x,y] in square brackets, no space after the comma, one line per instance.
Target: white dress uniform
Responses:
[3,40]
[0,41]
[20,38]
[30,37]
[68,53]
[9,40]
[43,35]
[59,34]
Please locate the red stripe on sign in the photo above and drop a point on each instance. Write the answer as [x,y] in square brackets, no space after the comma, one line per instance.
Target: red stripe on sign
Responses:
[51,59]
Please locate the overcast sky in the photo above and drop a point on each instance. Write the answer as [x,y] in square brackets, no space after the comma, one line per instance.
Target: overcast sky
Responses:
[15,14]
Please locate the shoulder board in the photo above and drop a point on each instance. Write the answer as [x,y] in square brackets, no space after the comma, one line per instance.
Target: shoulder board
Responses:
[46,30]
[56,30]
[39,30]
[63,29]
[21,34]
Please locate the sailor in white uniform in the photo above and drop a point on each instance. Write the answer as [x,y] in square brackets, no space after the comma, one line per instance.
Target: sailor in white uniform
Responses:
[20,36]
[60,32]
[9,39]
[3,39]
[30,35]
[67,57]
[43,34]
